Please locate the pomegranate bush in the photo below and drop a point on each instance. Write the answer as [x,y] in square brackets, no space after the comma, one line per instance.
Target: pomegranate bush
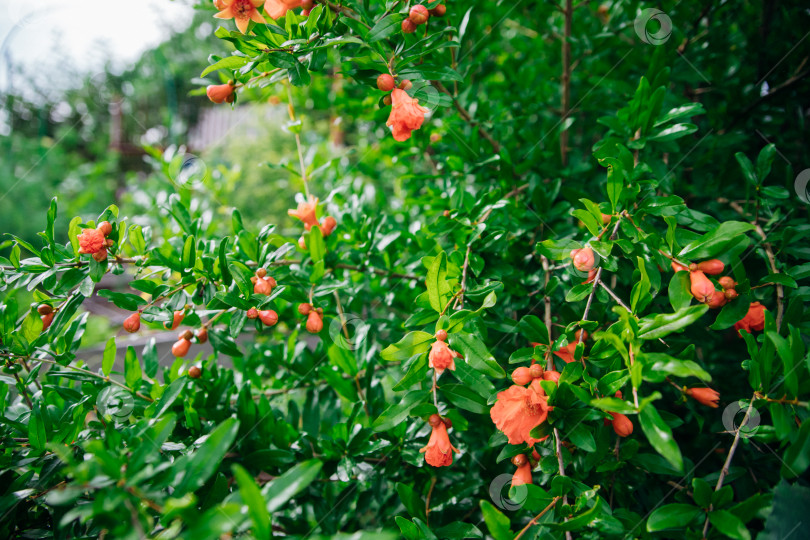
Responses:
[554,298]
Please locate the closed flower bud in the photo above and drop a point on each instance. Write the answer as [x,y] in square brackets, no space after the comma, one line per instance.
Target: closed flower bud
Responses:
[405,85]
[100,256]
[441,335]
[730,294]
[705,396]
[536,371]
[177,318]
[194,372]
[408,26]
[314,322]
[44,309]
[551,375]
[262,286]
[268,317]
[387,100]
[304,308]
[701,288]
[727,282]
[434,420]
[220,93]
[711,267]
[717,300]
[606,219]
[328,225]
[386,82]
[105,228]
[302,243]
[583,259]
[253,313]
[519,460]
[186,334]
[133,323]
[181,347]
[522,376]
[202,335]
[419,14]
[261,272]
[47,319]
[622,425]
[447,422]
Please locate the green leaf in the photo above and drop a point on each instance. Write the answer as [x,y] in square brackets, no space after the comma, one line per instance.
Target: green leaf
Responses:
[73,232]
[132,368]
[36,429]
[412,344]
[672,516]
[437,286]
[108,360]
[731,313]
[384,28]
[289,484]
[715,242]
[189,252]
[747,168]
[411,500]
[615,180]
[673,132]
[465,398]
[229,62]
[533,329]
[728,524]
[476,354]
[797,456]
[201,464]
[663,324]
[660,436]
[613,404]
[252,496]
[397,411]
[170,395]
[317,248]
[497,523]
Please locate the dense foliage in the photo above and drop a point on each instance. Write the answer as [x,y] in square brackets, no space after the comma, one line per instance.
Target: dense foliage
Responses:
[563,296]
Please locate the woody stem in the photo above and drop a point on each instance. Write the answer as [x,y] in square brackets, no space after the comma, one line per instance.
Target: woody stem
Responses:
[435,398]
[538,516]
[635,390]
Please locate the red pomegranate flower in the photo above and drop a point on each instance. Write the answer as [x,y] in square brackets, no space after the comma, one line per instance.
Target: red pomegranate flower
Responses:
[518,410]
[242,11]
[306,212]
[441,357]
[705,396]
[438,451]
[406,115]
[91,241]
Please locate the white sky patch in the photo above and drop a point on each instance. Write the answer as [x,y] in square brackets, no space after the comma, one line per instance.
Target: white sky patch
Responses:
[39,35]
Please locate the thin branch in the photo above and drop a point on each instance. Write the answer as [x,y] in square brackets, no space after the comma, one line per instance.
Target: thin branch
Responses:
[538,516]
[568,14]
[96,375]
[467,117]
[729,457]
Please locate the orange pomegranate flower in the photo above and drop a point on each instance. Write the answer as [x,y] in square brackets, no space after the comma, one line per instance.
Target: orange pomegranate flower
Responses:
[277,8]
[438,451]
[406,115]
[91,241]
[567,353]
[241,11]
[306,212]
[518,410]
[705,396]
[753,320]
[441,357]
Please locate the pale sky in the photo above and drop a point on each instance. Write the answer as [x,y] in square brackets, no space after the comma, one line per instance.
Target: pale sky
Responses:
[40,33]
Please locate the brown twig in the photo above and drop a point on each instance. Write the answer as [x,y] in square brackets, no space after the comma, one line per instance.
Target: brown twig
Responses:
[427,501]
[467,117]
[538,516]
